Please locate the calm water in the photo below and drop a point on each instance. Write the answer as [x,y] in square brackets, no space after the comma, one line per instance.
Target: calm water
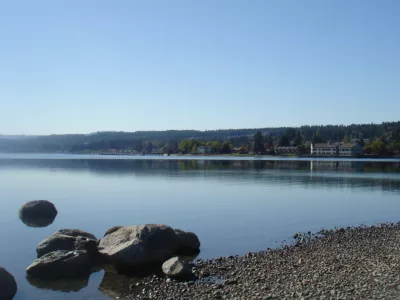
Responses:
[234,206]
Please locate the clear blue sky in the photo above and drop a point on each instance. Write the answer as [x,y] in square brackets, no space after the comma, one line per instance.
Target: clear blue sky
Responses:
[78,66]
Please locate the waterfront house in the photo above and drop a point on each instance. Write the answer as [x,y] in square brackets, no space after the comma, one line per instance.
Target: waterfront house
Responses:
[203,150]
[337,149]
[285,150]
[327,149]
[350,149]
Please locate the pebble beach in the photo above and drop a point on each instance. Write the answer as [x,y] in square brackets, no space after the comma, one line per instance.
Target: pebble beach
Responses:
[344,263]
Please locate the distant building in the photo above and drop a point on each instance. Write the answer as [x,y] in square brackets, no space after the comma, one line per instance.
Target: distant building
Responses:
[327,149]
[336,149]
[203,150]
[286,150]
[351,149]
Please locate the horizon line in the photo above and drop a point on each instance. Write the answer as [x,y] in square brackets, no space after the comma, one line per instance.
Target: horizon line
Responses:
[199,130]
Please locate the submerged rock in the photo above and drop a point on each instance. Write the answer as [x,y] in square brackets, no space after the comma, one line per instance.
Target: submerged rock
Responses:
[112,229]
[175,267]
[38,209]
[188,241]
[8,286]
[64,242]
[138,245]
[61,264]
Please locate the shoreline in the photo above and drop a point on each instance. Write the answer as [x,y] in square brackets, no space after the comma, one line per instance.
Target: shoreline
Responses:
[38,155]
[345,263]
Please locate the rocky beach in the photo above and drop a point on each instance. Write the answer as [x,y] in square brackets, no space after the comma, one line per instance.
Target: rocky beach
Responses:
[346,263]
[156,261]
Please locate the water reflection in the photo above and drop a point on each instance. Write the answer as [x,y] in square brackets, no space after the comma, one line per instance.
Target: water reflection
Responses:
[65,285]
[37,222]
[114,284]
[234,206]
[312,173]
[143,165]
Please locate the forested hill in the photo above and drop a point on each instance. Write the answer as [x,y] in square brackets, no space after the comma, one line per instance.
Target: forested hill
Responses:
[170,139]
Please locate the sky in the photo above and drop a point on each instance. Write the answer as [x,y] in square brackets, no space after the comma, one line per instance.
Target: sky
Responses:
[73,66]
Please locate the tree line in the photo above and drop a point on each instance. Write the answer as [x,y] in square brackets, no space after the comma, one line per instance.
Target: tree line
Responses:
[382,139]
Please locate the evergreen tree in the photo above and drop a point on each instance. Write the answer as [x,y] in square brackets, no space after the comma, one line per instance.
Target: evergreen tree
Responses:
[284,141]
[226,148]
[317,138]
[269,140]
[259,143]
[149,147]
[299,139]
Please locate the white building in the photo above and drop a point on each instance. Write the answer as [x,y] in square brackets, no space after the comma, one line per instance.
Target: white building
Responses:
[350,150]
[328,149]
[336,149]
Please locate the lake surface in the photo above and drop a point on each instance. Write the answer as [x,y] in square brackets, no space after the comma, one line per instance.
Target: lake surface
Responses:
[234,205]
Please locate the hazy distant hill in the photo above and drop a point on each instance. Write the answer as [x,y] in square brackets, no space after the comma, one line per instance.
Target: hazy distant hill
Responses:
[16,137]
[136,140]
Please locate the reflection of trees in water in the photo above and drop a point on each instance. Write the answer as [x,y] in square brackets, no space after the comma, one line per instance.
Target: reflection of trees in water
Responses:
[316,173]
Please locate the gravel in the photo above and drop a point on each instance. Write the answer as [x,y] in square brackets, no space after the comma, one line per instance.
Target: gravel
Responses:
[346,263]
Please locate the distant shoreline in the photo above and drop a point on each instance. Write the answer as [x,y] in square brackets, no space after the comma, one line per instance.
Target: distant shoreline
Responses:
[38,155]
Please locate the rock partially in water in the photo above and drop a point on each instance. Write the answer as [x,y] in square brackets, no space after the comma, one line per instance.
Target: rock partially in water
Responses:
[37,222]
[8,286]
[176,267]
[112,229]
[188,241]
[59,241]
[61,264]
[76,233]
[38,209]
[140,245]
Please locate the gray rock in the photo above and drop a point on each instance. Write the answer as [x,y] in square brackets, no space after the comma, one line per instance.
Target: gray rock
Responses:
[138,245]
[76,233]
[8,286]
[67,243]
[112,229]
[176,267]
[61,264]
[38,209]
[188,240]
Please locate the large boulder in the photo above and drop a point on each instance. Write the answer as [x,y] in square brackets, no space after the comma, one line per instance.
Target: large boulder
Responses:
[188,241]
[61,264]
[8,286]
[76,233]
[139,245]
[112,229]
[64,242]
[176,267]
[38,209]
